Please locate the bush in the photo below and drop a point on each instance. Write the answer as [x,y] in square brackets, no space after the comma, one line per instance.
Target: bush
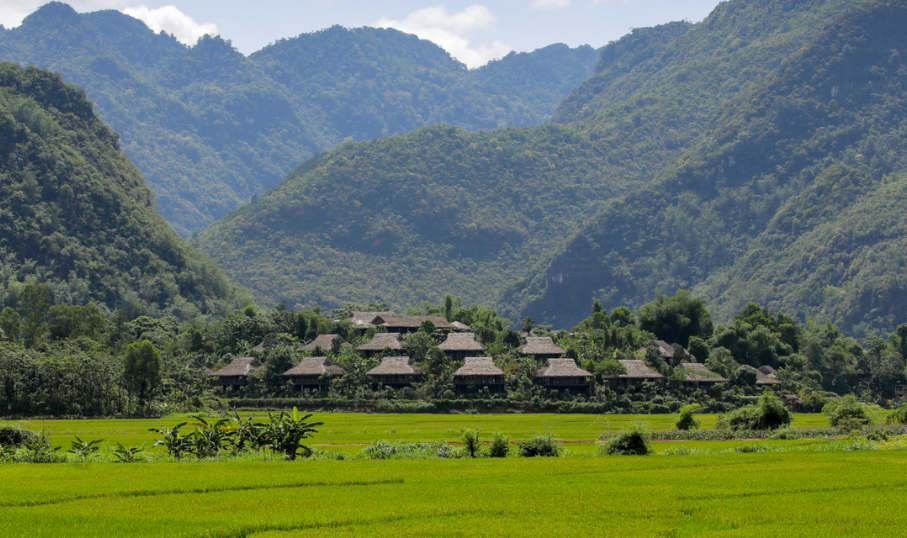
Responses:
[471,442]
[499,445]
[898,416]
[847,413]
[540,445]
[633,441]
[16,436]
[767,414]
[876,436]
[686,419]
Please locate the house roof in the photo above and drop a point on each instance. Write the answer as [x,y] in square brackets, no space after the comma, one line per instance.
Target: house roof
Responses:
[638,370]
[381,341]
[698,372]
[461,342]
[364,319]
[766,370]
[395,366]
[561,368]
[409,322]
[260,348]
[240,366]
[478,366]
[315,366]
[462,327]
[766,379]
[541,345]
[323,341]
[667,350]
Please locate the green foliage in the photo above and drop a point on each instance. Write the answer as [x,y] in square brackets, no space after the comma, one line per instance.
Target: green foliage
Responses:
[846,412]
[541,445]
[676,319]
[84,449]
[632,441]
[898,416]
[686,419]
[498,445]
[127,454]
[142,371]
[472,444]
[286,432]
[15,436]
[175,443]
[10,325]
[767,414]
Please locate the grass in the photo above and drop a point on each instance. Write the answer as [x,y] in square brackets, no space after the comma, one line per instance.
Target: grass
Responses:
[349,432]
[767,494]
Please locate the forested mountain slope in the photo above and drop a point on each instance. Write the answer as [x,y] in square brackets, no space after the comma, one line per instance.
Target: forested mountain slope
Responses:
[76,214]
[442,210]
[791,198]
[210,128]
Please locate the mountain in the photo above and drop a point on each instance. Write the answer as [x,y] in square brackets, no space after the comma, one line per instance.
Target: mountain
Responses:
[790,198]
[76,214]
[211,128]
[439,210]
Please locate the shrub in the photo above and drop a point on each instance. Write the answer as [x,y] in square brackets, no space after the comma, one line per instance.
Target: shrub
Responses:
[876,436]
[898,416]
[471,442]
[767,414]
[847,413]
[633,441]
[750,449]
[540,445]
[686,419]
[499,445]
[16,436]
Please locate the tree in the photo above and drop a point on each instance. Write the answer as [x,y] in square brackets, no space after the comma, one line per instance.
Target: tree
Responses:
[699,349]
[35,299]
[528,325]
[68,321]
[676,319]
[10,324]
[277,362]
[768,414]
[142,372]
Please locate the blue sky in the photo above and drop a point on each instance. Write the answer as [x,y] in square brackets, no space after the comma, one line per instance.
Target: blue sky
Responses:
[472,31]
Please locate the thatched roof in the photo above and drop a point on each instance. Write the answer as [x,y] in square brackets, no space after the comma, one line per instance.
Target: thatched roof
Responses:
[395,366]
[766,370]
[766,379]
[638,370]
[364,319]
[478,366]
[461,342]
[315,366]
[665,349]
[698,372]
[240,366]
[461,327]
[260,348]
[541,345]
[561,368]
[381,341]
[409,322]
[323,341]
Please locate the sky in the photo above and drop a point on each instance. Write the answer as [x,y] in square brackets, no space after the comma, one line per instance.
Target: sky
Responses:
[474,32]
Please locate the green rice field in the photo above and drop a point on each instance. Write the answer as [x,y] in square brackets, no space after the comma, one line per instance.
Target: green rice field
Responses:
[790,494]
[349,432]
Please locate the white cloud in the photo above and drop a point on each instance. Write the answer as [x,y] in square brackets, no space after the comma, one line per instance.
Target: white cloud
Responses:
[446,30]
[173,21]
[545,5]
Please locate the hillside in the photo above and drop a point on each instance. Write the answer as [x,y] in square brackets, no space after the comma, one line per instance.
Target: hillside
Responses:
[790,198]
[442,210]
[210,128]
[76,214]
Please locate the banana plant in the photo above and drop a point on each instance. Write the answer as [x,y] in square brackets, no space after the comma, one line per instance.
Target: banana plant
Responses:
[208,439]
[173,440]
[246,433]
[84,449]
[286,432]
[126,455]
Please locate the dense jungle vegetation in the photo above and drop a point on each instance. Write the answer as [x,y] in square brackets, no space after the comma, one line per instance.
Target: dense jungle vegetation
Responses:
[440,209]
[791,198]
[74,360]
[211,128]
[77,218]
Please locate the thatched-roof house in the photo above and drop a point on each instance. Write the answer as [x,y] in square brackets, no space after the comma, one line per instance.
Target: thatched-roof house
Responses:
[696,375]
[792,402]
[312,372]
[408,324]
[363,320]
[323,341]
[395,372]
[458,346]
[461,327]
[260,348]
[765,378]
[665,349]
[563,373]
[479,372]
[637,372]
[381,341]
[542,347]
[200,367]
[236,374]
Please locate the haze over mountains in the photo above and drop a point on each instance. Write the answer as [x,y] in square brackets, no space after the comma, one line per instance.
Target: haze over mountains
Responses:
[210,128]
[754,156]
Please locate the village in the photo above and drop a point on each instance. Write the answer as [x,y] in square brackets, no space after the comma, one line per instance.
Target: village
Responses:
[477,372]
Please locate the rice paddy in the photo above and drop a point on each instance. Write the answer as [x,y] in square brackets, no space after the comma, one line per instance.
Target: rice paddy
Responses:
[795,489]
